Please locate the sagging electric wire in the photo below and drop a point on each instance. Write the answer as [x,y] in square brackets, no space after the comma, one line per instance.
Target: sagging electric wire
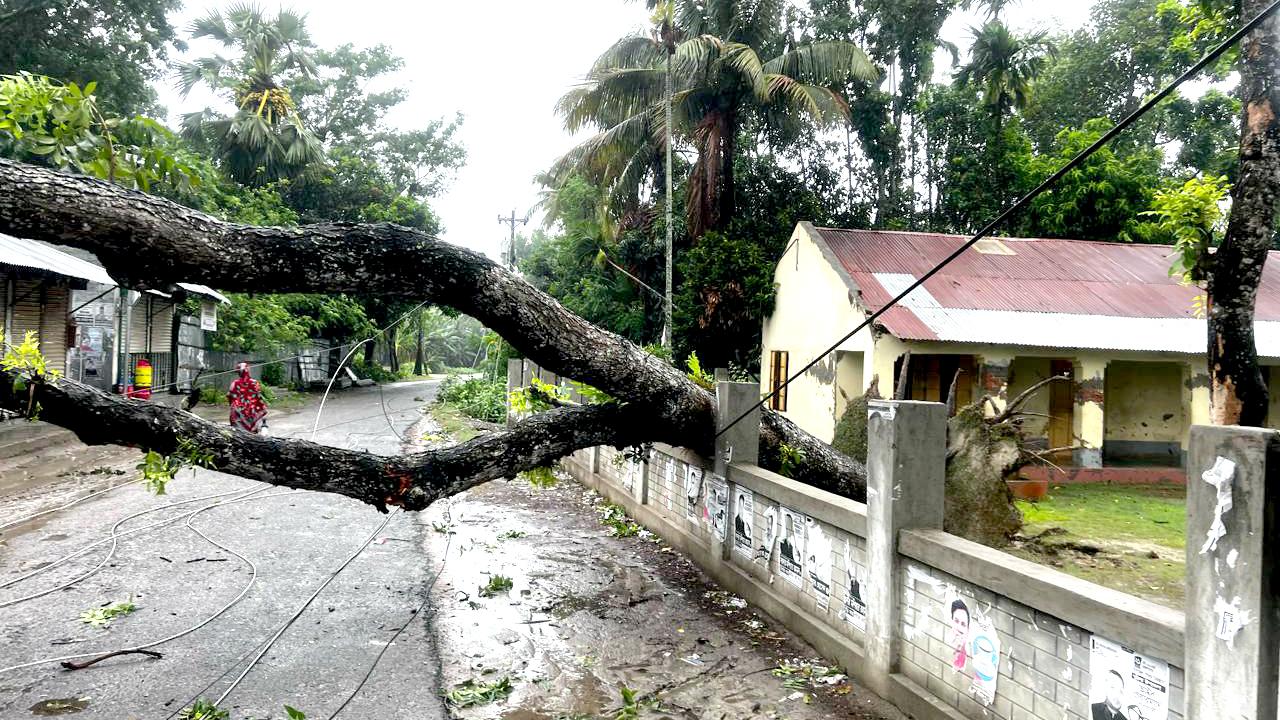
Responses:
[267,644]
[73,503]
[417,613]
[87,548]
[1023,201]
[253,574]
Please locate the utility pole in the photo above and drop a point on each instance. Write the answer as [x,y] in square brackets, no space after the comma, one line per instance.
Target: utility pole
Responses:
[667,30]
[511,258]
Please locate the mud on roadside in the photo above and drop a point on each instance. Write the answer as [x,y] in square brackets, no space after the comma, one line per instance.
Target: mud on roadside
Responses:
[588,614]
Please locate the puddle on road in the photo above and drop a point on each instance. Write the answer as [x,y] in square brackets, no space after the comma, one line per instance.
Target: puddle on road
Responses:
[59,706]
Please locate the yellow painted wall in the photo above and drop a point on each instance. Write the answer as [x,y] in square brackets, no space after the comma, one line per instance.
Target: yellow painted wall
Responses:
[1144,401]
[813,309]
[850,383]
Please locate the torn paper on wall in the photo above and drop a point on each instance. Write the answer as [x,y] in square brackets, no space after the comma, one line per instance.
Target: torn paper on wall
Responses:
[768,535]
[1230,619]
[692,493]
[791,550]
[717,507]
[1220,477]
[671,481]
[744,520]
[818,557]
[854,611]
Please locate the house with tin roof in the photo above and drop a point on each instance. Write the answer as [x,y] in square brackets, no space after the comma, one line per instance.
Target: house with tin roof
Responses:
[1006,314]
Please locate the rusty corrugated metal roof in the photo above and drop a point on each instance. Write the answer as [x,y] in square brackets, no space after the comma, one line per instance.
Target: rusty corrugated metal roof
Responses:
[1054,293]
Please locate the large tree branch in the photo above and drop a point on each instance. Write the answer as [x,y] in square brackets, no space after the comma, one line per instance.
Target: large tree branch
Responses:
[412,481]
[149,242]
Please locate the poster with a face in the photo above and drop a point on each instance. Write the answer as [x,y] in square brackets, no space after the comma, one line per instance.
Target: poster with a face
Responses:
[768,535]
[818,560]
[791,547]
[855,608]
[1126,685]
[957,617]
[692,493]
[744,518]
[671,482]
[716,512]
[984,659]
[974,644]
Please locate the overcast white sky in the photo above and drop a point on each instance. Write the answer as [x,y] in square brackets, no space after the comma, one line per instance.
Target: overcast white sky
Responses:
[503,64]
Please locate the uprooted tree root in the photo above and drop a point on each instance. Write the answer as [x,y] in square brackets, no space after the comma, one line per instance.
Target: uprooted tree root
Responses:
[983,453]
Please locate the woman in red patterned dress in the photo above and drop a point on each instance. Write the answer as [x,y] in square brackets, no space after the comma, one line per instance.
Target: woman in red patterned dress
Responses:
[248,411]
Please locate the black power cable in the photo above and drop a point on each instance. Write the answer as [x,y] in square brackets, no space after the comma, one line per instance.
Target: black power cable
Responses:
[1025,199]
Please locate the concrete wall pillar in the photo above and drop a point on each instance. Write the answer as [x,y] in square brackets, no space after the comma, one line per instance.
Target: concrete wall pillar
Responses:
[515,373]
[740,442]
[1233,585]
[906,478]
[1088,418]
[993,380]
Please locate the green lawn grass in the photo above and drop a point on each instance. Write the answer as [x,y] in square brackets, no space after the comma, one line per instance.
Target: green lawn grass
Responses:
[1128,537]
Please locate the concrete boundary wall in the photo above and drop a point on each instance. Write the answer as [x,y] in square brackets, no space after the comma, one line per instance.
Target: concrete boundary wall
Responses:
[901,644]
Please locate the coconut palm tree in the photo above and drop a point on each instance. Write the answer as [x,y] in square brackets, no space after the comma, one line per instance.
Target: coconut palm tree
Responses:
[720,79]
[1003,66]
[264,140]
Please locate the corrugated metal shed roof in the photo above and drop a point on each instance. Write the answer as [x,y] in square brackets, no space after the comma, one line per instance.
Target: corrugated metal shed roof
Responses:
[37,256]
[1047,293]
[73,262]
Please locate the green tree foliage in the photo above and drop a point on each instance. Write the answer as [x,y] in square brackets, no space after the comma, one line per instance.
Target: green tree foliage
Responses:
[1003,66]
[264,139]
[721,80]
[726,290]
[121,45]
[1191,215]
[46,122]
[1099,200]
[596,267]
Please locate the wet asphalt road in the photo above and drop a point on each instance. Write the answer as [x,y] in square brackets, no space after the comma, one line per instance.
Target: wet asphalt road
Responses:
[177,579]
[588,613]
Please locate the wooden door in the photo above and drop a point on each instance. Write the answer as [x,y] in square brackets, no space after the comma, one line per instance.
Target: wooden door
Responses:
[1061,405]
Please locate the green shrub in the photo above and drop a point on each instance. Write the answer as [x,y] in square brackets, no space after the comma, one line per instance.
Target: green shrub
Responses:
[210,395]
[273,374]
[373,371]
[851,432]
[477,398]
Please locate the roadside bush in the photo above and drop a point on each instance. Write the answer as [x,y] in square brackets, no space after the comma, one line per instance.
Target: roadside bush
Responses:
[210,395]
[273,374]
[481,399]
[851,432]
[373,371]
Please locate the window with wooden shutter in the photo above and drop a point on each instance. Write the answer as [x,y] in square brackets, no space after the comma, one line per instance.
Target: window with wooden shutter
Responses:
[777,376]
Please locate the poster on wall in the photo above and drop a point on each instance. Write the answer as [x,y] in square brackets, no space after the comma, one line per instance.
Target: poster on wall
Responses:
[791,547]
[716,512]
[208,316]
[854,611]
[671,481]
[818,560]
[629,477]
[974,644]
[692,493]
[984,657]
[768,535]
[1126,685]
[744,520]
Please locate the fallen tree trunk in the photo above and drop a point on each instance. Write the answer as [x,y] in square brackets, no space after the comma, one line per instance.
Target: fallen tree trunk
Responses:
[148,242]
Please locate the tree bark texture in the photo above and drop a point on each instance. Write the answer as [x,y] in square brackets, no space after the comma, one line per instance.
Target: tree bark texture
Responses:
[1239,393]
[148,242]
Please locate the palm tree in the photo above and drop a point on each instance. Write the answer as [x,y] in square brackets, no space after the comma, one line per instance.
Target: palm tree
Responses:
[264,140]
[1003,67]
[719,79]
